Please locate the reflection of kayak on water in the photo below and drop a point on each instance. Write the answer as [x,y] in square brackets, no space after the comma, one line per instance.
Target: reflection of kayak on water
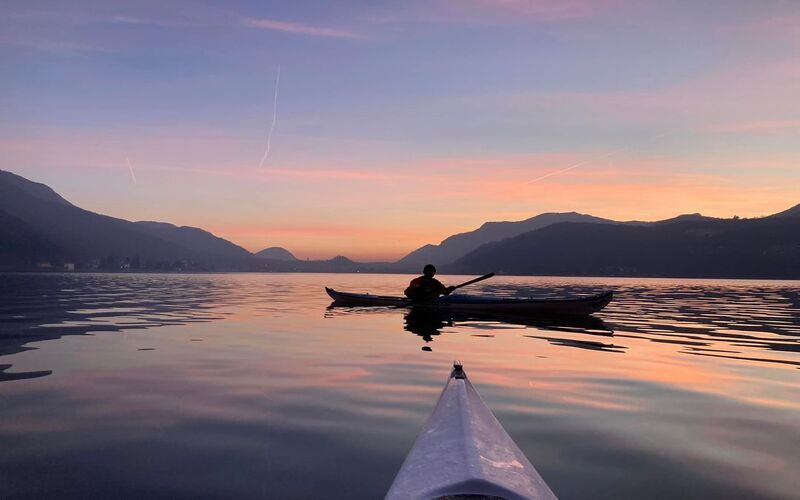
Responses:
[426,323]
[430,322]
[577,306]
[464,452]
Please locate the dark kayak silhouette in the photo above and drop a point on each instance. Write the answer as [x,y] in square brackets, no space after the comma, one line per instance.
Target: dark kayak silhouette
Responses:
[575,306]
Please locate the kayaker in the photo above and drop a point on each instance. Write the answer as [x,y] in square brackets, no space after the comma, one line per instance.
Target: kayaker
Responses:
[426,287]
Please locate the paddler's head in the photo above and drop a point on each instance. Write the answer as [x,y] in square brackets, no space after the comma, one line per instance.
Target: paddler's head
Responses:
[429,270]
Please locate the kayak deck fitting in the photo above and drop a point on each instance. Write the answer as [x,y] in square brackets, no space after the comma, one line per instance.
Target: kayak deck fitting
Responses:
[578,306]
[464,452]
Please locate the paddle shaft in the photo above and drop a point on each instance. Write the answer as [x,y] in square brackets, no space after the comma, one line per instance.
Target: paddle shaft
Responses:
[484,277]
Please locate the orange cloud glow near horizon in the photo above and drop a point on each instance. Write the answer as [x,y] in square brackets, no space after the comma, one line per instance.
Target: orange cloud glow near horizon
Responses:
[381,215]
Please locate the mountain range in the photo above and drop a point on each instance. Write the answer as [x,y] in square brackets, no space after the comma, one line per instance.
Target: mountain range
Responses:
[458,245]
[766,247]
[41,229]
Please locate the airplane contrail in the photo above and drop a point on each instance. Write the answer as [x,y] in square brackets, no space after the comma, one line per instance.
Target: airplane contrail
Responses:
[130,168]
[571,167]
[274,118]
[591,160]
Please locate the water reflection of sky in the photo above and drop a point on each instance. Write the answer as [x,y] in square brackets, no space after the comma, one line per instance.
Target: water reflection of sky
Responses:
[248,386]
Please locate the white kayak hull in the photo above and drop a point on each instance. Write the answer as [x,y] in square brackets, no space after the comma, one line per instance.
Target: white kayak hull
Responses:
[464,451]
[578,306]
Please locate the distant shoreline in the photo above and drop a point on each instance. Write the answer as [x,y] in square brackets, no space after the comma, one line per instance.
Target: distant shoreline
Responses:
[500,275]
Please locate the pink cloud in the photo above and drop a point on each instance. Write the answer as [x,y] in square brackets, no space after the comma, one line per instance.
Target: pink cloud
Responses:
[493,12]
[783,28]
[338,174]
[544,9]
[757,126]
[316,230]
[733,93]
[301,29]
[50,45]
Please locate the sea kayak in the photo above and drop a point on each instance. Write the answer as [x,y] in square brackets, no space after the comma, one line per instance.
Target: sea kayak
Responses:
[577,306]
[464,452]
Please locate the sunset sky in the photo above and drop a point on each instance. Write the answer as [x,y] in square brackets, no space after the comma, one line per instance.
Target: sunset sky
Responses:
[400,123]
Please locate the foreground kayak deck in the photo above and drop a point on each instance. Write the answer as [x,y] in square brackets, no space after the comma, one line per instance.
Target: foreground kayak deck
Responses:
[463,451]
[579,306]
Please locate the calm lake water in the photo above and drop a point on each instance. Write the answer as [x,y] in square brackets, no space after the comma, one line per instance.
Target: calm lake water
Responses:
[247,386]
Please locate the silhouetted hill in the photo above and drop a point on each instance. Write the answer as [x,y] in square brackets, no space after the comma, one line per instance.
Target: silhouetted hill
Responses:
[458,245]
[195,239]
[39,223]
[792,212]
[35,190]
[276,253]
[767,247]
[681,218]
[21,246]
[338,264]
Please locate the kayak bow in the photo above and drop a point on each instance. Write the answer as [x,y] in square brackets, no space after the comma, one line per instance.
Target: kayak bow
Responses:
[464,452]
